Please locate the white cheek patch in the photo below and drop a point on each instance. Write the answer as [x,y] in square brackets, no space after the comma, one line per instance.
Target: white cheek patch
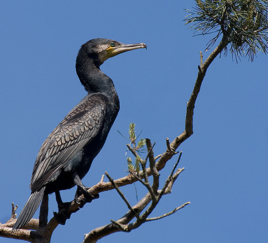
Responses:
[102,48]
[102,52]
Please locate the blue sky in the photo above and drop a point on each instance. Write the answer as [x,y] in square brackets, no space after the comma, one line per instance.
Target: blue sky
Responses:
[225,160]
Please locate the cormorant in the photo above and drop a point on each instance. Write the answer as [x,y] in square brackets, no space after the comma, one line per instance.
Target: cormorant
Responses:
[66,155]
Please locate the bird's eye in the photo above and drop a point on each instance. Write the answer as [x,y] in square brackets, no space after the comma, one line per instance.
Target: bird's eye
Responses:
[112,44]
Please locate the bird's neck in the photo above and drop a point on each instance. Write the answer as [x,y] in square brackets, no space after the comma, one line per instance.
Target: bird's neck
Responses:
[94,80]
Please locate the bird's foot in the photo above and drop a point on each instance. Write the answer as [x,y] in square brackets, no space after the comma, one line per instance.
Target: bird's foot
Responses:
[62,216]
[87,196]
[63,213]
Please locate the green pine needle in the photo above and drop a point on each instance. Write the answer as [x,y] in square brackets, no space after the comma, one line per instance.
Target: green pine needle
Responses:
[244,23]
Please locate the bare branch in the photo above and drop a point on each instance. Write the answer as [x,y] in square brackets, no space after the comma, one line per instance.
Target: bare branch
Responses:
[122,195]
[175,166]
[148,186]
[152,166]
[133,151]
[121,226]
[191,103]
[105,230]
[15,234]
[13,213]
[169,179]
[168,145]
[201,59]
[150,153]
[157,157]
[167,214]
[173,179]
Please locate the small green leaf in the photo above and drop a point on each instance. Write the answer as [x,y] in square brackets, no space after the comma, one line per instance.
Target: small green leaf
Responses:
[137,164]
[129,164]
[141,143]
[131,132]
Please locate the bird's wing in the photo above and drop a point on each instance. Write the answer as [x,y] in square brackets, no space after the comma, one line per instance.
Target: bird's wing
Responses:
[79,127]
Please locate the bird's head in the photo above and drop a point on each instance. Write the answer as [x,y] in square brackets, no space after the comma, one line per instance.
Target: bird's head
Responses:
[101,49]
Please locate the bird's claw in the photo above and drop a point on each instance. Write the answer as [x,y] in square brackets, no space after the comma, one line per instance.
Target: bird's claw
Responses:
[62,216]
[63,213]
[87,197]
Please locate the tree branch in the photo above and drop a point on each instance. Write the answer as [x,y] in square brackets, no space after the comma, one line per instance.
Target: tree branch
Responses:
[121,194]
[167,214]
[164,158]
[191,103]
[122,223]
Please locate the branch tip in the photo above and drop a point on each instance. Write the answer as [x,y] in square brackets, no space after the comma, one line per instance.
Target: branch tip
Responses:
[13,213]
[170,149]
[170,213]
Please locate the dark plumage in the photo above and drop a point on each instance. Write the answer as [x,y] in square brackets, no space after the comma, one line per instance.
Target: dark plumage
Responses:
[66,155]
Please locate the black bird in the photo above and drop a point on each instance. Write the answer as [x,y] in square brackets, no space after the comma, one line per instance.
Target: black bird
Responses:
[66,155]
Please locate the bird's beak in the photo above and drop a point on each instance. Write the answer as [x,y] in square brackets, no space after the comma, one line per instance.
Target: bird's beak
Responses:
[113,51]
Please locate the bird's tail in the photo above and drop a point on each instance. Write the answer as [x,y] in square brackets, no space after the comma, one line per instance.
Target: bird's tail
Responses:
[29,208]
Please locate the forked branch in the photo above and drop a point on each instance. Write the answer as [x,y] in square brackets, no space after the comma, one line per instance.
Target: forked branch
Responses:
[152,197]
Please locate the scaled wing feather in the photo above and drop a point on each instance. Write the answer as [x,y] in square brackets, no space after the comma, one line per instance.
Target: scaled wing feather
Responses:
[79,127]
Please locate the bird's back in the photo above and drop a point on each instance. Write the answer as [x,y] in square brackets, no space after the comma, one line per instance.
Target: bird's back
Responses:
[82,125]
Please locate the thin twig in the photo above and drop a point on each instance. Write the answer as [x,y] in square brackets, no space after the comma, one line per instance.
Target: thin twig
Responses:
[201,59]
[132,150]
[191,103]
[168,145]
[160,193]
[145,174]
[138,178]
[175,166]
[122,195]
[13,213]
[157,157]
[172,181]
[108,229]
[169,178]
[147,185]
[152,165]
[167,214]
[150,153]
